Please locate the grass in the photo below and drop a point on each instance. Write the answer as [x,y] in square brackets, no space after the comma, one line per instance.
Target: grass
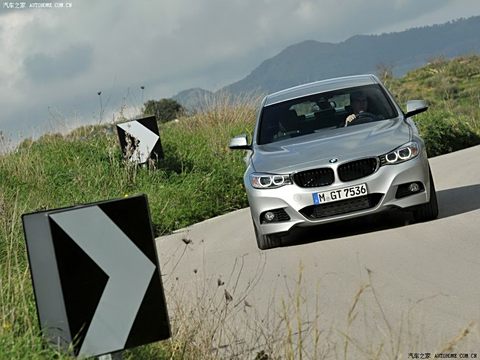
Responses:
[191,184]
[198,179]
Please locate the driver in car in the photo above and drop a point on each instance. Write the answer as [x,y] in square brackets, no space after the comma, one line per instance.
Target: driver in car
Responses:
[359,103]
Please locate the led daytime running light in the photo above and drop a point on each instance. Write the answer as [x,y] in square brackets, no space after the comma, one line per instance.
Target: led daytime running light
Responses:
[269,181]
[404,153]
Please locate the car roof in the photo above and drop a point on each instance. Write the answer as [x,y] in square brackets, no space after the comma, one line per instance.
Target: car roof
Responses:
[318,87]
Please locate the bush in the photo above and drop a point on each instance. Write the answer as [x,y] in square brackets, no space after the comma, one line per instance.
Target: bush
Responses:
[445,132]
[164,109]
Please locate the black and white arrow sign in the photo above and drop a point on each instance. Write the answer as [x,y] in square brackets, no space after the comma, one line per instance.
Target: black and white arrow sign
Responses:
[126,286]
[96,276]
[140,140]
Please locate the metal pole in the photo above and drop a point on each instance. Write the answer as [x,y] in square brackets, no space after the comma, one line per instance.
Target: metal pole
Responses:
[101,106]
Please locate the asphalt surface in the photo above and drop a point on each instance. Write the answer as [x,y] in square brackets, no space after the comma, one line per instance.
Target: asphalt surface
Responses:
[380,285]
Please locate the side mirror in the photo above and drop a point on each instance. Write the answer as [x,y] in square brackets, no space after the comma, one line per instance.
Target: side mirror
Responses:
[239,142]
[415,107]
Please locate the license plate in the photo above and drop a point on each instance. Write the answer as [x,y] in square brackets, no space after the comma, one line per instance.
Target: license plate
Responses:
[340,194]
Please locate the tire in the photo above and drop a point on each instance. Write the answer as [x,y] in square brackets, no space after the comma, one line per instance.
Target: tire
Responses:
[265,242]
[428,211]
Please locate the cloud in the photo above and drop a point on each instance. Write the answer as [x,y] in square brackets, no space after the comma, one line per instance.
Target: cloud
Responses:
[71,62]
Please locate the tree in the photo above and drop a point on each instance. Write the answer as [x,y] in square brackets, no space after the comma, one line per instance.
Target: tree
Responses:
[164,109]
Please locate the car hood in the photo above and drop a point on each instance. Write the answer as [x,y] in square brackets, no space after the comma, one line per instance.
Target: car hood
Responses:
[344,144]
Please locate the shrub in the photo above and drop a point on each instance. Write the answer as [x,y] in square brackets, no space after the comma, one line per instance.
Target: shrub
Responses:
[445,132]
[164,109]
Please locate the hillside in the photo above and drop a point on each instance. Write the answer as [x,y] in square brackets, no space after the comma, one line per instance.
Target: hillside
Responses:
[450,87]
[451,84]
[312,60]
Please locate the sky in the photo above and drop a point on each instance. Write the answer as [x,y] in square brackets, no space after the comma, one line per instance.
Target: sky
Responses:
[56,57]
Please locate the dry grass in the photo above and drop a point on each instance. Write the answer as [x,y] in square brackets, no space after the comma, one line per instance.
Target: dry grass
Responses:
[210,325]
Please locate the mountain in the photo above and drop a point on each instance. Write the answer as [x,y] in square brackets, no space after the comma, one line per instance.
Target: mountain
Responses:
[193,98]
[312,60]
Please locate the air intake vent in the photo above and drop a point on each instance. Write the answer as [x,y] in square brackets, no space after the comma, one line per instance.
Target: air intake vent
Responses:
[314,178]
[357,169]
[315,212]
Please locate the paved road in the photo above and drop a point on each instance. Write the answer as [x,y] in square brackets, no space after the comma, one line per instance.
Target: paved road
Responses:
[357,288]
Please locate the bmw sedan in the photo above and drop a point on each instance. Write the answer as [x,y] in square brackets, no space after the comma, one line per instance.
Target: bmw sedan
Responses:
[334,150]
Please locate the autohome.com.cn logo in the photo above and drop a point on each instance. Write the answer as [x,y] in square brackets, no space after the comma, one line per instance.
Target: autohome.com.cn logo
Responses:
[36,5]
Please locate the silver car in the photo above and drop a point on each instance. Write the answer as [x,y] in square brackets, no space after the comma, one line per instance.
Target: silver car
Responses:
[334,150]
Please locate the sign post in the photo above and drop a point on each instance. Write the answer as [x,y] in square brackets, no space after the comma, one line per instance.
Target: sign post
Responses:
[140,140]
[96,276]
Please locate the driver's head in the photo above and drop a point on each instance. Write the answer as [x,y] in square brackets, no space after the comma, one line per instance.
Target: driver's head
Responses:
[358,100]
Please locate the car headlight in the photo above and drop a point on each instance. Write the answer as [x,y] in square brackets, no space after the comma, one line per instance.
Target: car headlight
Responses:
[269,181]
[403,153]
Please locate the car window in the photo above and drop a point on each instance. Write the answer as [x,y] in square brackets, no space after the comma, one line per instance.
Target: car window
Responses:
[319,112]
[306,108]
[340,101]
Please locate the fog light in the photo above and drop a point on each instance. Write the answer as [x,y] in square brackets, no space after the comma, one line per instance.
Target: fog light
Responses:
[408,189]
[273,216]
[269,216]
[414,187]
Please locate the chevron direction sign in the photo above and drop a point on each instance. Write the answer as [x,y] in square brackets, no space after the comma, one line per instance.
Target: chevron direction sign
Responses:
[96,276]
[140,140]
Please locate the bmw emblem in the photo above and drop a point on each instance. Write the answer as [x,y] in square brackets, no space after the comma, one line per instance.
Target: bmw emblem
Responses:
[333,161]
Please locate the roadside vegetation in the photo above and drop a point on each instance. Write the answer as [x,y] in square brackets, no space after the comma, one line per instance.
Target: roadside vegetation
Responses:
[450,87]
[198,179]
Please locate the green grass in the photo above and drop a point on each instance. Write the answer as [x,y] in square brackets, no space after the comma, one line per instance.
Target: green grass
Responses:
[198,179]
[193,182]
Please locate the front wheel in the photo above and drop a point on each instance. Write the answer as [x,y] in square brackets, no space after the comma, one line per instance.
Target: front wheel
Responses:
[265,242]
[428,211]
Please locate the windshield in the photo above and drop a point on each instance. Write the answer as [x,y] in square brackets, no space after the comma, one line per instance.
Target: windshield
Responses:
[324,111]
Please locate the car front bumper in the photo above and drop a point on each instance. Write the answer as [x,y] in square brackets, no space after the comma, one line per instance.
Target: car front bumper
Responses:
[298,203]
